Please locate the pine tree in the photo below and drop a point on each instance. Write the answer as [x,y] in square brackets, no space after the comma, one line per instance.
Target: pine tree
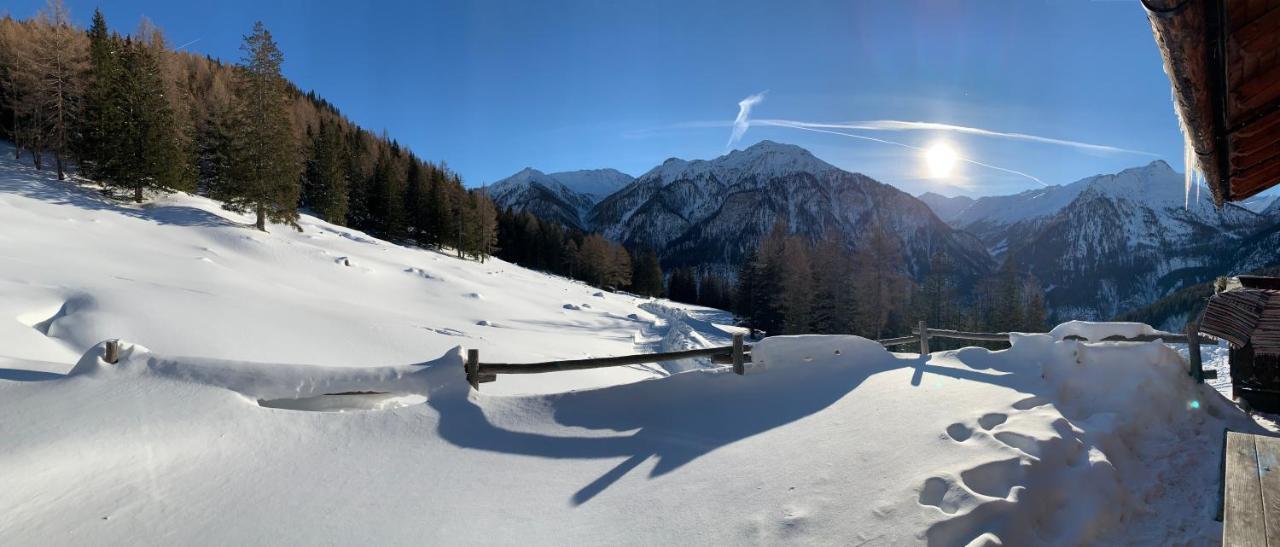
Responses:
[767,296]
[935,299]
[797,286]
[140,151]
[879,281]
[646,277]
[264,166]
[744,295]
[834,300]
[326,188]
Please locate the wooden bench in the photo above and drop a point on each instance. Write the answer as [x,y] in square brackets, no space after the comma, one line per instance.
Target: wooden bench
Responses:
[1251,490]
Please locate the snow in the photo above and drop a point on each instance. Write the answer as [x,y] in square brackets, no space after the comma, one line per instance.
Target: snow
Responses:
[184,277]
[1095,331]
[830,439]
[217,425]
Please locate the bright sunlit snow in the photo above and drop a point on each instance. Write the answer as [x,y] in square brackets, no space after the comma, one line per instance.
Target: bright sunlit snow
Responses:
[214,427]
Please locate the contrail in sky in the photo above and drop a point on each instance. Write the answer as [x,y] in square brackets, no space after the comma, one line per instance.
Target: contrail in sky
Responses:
[741,123]
[785,123]
[899,125]
[183,46]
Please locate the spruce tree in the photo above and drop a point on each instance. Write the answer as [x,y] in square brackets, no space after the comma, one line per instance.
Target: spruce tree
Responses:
[326,183]
[93,140]
[264,166]
[646,277]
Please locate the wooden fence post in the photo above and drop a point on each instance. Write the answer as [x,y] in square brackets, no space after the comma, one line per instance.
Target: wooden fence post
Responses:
[924,340]
[473,368]
[111,353]
[739,362]
[1193,351]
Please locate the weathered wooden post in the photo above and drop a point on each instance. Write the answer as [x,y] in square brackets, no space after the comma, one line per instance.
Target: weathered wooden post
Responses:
[111,353]
[739,360]
[1193,351]
[473,368]
[924,339]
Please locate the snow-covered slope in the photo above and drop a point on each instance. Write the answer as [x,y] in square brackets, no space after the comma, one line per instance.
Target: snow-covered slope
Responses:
[596,183]
[945,207]
[562,197]
[306,388]
[990,217]
[713,212]
[184,277]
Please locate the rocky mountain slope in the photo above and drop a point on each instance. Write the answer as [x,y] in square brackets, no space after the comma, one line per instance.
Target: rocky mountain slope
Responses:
[714,212]
[1110,243]
[564,197]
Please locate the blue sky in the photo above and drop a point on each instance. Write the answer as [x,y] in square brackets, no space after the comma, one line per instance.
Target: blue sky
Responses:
[493,86]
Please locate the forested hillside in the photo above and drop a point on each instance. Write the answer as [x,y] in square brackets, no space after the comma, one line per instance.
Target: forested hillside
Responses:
[140,117]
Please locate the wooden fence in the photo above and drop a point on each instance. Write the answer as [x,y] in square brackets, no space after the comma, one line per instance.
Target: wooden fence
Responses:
[739,354]
[922,333]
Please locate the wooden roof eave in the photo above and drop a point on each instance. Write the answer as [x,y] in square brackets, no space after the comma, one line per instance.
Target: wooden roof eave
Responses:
[1196,73]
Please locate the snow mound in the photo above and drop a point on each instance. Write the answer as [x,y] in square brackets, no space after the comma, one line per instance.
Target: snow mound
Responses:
[1095,331]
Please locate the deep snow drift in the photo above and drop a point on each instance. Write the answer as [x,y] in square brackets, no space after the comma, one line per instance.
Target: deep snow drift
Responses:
[196,437]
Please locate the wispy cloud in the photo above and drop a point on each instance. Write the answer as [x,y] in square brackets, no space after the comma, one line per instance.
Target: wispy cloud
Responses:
[743,121]
[899,125]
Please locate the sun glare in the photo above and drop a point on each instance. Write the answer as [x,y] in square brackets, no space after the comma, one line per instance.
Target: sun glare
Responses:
[940,159]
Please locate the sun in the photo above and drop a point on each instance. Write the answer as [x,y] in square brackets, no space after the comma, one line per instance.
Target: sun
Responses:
[940,159]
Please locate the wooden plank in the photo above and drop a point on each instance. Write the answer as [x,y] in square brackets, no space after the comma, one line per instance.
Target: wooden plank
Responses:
[739,363]
[1193,351]
[601,362]
[111,353]
[962,335]
[1269,476]
[1244,523]
[898,341]
[472,367]
[923,331]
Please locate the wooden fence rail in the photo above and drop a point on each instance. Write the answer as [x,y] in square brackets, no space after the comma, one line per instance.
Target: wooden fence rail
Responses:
[737,354]
[1192,338]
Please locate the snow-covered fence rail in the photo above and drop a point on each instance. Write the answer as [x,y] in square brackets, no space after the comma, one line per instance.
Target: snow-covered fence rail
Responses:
[737,354]
[922,333]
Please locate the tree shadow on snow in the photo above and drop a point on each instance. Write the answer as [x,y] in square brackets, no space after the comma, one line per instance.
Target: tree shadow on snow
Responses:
[44,186]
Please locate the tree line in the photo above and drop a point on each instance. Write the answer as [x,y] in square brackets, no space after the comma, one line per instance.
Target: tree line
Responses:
[139,117]
[791,285]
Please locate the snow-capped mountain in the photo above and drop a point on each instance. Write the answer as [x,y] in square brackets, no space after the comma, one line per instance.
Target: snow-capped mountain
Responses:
[563,197]
[1126,240]
[991,217]
[714,212]
[945,207]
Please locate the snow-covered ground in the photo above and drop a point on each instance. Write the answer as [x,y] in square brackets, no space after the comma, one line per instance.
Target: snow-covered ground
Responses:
[213,428]
[184,277]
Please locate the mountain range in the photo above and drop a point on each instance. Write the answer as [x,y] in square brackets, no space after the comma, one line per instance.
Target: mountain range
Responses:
[713,213]
[1099,246]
